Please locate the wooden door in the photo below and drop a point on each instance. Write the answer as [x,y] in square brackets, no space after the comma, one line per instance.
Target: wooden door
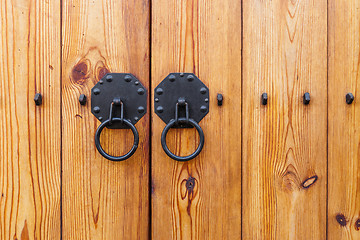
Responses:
[30,135]
[343,134]
[280,170]
[284,142]
[102,199]
[201,198]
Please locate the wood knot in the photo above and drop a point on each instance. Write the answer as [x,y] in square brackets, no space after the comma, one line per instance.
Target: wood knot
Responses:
[290,180]
[101,70]
[357,225]
[309,181]
[188,188]
[340,218]
[81,71]
[190,184]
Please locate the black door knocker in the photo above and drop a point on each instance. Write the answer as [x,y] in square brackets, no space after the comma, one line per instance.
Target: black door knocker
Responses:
[118,101]
[181,101]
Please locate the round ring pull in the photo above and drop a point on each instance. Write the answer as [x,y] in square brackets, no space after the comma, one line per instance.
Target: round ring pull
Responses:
[172,155]
[105,154]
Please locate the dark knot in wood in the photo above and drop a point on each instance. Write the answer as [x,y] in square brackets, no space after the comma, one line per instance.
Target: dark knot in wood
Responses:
[357,225]
[309,181]
[340,218]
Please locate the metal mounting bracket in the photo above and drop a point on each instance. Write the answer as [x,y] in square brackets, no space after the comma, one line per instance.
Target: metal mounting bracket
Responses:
[123,86]
[184,87]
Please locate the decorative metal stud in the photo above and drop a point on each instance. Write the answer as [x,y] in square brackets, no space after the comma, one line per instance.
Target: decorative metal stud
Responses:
[38,99]
[82,99]
[349,98]
[264,99]
[306,98]
[219,98]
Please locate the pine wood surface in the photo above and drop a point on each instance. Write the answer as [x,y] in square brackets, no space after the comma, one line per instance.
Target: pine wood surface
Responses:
[343,137]
[29,135]
[199,199]
[103,199]
[284,173]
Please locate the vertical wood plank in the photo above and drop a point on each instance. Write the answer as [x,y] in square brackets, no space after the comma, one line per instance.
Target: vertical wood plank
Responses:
[103,199]
[29,134]
[344,137]
[199,199]
[284,142]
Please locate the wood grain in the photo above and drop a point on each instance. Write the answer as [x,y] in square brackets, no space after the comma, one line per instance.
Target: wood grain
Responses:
[103,199]
[199,199]
[284,142]
[29,134]
[344,123]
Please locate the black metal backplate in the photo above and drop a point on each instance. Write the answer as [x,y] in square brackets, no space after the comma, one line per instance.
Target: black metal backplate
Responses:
[185,85]
[119,85]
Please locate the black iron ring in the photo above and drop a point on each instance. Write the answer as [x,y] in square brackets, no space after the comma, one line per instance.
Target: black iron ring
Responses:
[184,158]
[108,156]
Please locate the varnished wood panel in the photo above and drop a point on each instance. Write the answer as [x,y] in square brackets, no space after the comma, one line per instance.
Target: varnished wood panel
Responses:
[344,120]
[284,142]
[29,134]
[103,199]
[199,199]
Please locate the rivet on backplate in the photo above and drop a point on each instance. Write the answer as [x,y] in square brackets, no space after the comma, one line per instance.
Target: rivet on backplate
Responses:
[203,108]
[159,91]
[96,109]
[159,109]
[190,78]
[141,109]
[96,91]
[127,78]
[109,78]
[172,78]
[140,91]
[203,90]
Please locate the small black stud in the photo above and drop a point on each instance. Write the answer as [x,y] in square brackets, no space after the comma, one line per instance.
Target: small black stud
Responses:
[128,78]
[96,109]
[172,78]
[109,78]
[38,99]
[96,91]
[203,90]
[141,109]
[140,91]
[159,91]
[220,99]
[159,109]
[203,108]
[136,82]
[264,99]
[181,74]
[306,98]
[190,78]
[101,81]
[82,99]
[156,100]
[349,98]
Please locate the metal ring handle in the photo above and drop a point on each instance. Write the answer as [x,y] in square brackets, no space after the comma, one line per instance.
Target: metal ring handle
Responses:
[101,150]
[184,158]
